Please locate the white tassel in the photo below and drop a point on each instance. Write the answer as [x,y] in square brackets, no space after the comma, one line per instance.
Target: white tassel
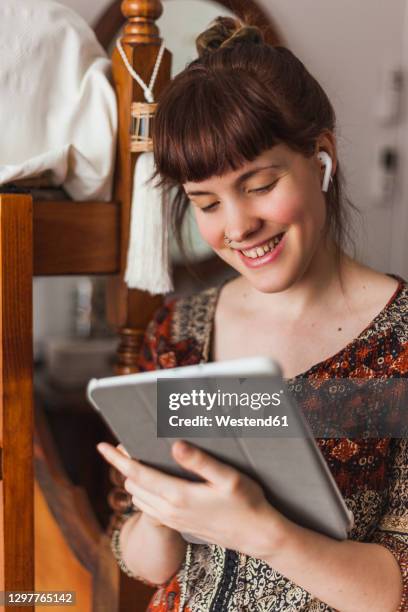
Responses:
[148,260]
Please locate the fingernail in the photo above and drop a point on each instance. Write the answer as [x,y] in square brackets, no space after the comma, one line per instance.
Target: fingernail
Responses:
[123,450]
[102,448]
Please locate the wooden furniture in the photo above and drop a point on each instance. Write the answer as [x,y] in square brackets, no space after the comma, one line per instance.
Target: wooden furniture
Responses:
[70,550]
[16,403]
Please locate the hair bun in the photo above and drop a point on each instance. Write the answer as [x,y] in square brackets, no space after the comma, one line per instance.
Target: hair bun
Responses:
[227,32]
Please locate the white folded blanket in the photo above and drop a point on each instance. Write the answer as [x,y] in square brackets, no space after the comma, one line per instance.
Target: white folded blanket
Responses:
[57,106]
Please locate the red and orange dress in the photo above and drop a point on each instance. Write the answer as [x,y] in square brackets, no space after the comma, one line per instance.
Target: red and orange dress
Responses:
[372,473]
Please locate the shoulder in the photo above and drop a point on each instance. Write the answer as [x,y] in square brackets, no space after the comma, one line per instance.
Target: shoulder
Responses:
[393,318]
[179,331]
[380,298]
[382,348]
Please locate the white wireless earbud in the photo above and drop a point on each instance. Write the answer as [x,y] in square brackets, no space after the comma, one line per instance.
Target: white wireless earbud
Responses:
[328,164]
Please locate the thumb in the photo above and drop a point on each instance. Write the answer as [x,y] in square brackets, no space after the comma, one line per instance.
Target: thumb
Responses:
[201,463]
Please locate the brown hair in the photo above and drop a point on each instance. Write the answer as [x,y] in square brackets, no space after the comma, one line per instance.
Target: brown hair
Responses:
[238,99]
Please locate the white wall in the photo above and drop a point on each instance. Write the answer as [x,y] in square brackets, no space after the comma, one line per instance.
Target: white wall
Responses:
[348,46]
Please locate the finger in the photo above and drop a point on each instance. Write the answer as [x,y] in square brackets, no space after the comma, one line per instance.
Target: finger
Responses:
[145,476]
[154,500]
[119,459]
[196,460]
[146,509]
[155,507]
[140,495]
[115,457]
[123,450]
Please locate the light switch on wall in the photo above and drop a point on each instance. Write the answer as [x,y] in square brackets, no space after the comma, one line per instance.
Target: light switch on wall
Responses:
[389,104]
[385,176]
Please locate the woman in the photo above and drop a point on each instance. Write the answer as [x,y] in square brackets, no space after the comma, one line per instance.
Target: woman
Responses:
[240,132]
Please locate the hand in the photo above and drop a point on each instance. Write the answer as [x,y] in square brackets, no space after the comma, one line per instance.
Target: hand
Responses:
[227,508]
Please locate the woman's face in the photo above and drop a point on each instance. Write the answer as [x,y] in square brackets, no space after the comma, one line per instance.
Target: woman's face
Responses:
[273,212]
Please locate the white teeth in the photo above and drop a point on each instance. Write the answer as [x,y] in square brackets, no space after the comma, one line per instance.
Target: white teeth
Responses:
[265,248]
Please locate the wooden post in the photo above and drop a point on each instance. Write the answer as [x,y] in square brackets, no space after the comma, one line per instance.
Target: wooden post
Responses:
[16,398]
[130,310]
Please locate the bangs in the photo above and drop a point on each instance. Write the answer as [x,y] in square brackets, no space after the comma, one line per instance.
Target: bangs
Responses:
[211,125]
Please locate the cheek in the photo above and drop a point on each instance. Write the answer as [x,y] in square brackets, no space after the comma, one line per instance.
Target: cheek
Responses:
[298,208]
[285,210]
[288,210]
[210,229]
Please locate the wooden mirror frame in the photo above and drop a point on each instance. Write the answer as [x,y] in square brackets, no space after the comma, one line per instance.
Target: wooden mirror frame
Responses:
[112,19]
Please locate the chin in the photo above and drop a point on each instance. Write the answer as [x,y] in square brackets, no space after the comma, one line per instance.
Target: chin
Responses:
[277,278]
[271,283]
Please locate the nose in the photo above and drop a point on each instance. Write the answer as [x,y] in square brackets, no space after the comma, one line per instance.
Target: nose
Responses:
[240,224]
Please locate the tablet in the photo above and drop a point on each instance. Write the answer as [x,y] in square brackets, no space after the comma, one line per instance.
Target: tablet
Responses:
[288,465]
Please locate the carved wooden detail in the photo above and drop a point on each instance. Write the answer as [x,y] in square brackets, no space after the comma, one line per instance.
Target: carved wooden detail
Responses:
[130,310]
[141,16]
[119,500]
[128,350]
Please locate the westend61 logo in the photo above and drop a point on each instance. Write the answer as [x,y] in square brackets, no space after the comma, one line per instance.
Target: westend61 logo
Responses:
[220,407]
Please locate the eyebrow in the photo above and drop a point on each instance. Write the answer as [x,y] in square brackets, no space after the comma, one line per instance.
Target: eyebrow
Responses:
[239,180]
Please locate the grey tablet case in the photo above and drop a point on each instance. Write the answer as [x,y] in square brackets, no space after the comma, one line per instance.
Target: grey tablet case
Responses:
[291,470]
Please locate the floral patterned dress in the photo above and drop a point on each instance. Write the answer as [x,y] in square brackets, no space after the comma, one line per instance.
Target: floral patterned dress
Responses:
[372,473]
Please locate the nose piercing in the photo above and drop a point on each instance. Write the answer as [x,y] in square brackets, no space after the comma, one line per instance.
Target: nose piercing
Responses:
[227,241]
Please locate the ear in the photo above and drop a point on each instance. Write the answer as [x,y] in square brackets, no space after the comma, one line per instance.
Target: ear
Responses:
[327,142]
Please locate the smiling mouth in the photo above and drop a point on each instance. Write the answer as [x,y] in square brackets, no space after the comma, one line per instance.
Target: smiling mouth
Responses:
[262,249]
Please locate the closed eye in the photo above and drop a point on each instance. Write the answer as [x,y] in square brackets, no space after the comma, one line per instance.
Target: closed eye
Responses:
[263,189]
[260,190]
[210,207]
